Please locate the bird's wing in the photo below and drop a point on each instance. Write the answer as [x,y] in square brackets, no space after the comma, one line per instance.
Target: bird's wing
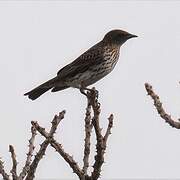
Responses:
[84,62]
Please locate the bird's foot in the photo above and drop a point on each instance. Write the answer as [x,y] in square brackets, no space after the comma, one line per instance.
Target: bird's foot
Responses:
[90,92]
[94,92]
[82,90]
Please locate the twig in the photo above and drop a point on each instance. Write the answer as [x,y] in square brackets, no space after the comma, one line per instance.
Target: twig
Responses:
[55,122]
[44,145]
[159,107]
[99,157]
[69,159]
[88,129]
[37,158]
[58,147]
[29,154]
[14,162]
[110,125]
[101,140]
[3,172]
[29,169]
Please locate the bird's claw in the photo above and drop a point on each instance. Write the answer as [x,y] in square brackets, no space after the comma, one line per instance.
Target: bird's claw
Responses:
[83,92]
[96,93]
[90,92]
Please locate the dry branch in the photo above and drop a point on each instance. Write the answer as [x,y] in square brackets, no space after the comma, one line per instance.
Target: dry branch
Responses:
[38,157]
[92,103]
[58,147]
[55,122]
[3,172]
[87,143]
[29,169]
[14,163]
[101,140]
[26,167]
[159,107]
[110,125]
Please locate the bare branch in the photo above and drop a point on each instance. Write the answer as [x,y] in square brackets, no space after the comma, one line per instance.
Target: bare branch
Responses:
[55,122]
[88,129]
[3,172]
[29,154]
[108,131]
[69,159]
[44,145]
[159,107]
[93,98]
[101,141]
[14,162]
[29,169]
[58,147]
[37,158]
[99,157]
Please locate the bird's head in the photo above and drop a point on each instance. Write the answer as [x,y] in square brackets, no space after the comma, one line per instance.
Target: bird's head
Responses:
[118,36]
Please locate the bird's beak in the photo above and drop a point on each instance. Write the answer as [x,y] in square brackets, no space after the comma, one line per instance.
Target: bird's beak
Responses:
[131,36]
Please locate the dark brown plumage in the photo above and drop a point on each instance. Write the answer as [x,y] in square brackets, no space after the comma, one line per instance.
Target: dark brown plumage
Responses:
[88,68]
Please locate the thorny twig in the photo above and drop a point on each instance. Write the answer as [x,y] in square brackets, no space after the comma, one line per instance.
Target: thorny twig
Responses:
[26,167]
[101,140]
[38,157]
[159,107]
[14,163]
[92,98]
[58,147]
[87,143]
[44,145]
[3,172]
[29,169]
[110,125]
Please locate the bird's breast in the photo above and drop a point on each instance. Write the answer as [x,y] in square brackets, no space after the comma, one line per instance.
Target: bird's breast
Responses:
[111,57]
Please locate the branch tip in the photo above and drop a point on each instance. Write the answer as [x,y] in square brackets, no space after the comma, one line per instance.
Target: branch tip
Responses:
[159,107]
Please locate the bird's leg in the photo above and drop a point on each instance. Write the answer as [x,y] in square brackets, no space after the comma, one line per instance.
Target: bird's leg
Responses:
[82,90]
[93,90]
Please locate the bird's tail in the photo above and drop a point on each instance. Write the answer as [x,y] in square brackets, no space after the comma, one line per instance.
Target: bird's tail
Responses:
[35,93]
[38,91]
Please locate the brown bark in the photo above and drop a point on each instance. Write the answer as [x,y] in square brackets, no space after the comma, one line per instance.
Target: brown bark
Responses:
[160,109]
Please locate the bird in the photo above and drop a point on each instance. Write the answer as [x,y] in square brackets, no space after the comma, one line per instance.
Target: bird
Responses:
[88,68]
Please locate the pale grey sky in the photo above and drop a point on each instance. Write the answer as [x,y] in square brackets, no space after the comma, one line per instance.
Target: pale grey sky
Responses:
[39,38]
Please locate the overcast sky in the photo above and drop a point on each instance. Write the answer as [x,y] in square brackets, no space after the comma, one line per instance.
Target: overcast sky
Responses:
[39,38]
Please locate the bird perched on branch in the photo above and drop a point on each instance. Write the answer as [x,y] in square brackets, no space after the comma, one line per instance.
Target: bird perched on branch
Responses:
[89,67]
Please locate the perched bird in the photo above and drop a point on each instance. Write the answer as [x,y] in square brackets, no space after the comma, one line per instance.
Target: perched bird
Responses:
[89,67]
